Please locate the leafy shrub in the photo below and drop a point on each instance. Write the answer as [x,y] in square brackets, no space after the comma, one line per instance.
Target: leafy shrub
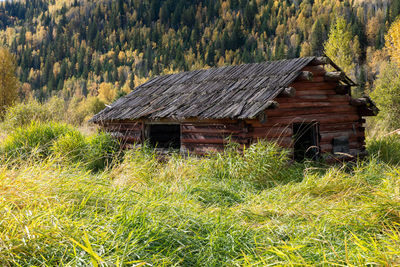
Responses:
[75,112]
[386,95]
[386,149]
[81,110]
[36,138]
[24,113]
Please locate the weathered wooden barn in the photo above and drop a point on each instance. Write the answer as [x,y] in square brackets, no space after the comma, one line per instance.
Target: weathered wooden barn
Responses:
[300,103]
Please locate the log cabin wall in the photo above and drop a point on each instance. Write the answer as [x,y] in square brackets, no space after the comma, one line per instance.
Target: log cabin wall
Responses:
[317,101]
[211,136]
[127,132]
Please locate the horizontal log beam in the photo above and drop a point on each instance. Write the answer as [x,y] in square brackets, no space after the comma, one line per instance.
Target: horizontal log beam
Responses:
[304,85]
[213,141]
[311,91]
[316,98]
[322,118]
[212,128]
[271,132]
[329,140]
[334,109]
[212,131]
[329,147]
[341,126]
[330,135]
[334,76]
[312,104]
[283,141]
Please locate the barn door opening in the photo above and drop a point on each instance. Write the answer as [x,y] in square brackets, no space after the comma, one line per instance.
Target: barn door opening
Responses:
[306,141]
[166,136]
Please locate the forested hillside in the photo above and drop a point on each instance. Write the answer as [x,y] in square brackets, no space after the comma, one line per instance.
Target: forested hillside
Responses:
[78,47]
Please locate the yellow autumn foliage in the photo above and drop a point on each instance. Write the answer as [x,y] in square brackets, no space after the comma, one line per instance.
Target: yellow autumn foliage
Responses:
[8,80]
[107,92]
[393,41]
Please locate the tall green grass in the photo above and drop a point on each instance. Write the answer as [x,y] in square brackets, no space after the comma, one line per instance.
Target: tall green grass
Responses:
[229,209]
[39,141]
[385,148]
[36,138]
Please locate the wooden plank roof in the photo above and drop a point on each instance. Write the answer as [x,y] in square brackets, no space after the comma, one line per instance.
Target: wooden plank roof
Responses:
[241,91]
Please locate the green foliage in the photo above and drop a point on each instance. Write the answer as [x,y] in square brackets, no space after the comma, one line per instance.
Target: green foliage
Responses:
[35,139]
[23,114]
[385,148]
[264,163]
[39,141]
[178,212]
[77,111]
[217,196]
[145,38]
[80,110]
[101,151]
[317,38]
[70,147]
[386,95]
[338,47]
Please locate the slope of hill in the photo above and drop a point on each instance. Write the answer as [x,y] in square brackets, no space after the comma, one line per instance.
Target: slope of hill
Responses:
[69,47]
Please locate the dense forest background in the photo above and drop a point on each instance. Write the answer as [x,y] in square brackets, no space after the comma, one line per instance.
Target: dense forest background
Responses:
[80,48]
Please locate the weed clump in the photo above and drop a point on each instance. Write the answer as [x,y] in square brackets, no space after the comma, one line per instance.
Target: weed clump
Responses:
[35,139]
[264,163]
[39,141]
[385,149]
[101,151]
[71,147]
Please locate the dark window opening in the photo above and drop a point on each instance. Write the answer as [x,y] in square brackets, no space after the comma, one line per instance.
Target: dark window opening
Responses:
[340,145]
[306,141]
[165,135]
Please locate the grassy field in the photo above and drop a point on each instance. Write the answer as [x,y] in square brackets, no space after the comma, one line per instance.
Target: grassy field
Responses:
[230,209]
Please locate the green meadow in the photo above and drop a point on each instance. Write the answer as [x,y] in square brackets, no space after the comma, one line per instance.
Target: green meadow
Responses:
[74,199]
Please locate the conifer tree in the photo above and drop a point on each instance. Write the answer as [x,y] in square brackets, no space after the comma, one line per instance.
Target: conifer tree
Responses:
[317,38]
[338,47]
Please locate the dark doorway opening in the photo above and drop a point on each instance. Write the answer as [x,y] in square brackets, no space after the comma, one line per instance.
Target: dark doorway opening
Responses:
[306,141]
[165,135]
